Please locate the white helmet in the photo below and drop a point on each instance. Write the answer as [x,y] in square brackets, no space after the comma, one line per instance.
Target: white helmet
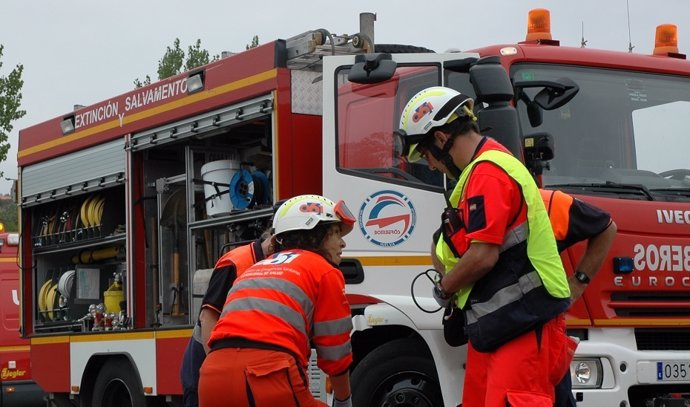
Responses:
[429,108]
[304,212]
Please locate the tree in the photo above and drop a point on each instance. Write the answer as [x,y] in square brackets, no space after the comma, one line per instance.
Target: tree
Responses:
[174,59]
[10,103]
[171,63]
[255,42]
[196,56]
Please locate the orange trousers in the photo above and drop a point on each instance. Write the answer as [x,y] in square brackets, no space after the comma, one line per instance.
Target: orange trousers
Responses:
[522,372]
[243,377]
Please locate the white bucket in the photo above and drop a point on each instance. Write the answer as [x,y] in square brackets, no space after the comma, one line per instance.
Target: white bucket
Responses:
[217,196]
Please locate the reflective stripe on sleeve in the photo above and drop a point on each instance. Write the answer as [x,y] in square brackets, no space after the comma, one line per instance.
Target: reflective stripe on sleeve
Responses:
[515,236]
[334,353]
[334,327]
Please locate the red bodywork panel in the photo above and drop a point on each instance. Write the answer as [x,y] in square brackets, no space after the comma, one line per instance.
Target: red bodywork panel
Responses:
[12,347]
[50,360]
[169,353]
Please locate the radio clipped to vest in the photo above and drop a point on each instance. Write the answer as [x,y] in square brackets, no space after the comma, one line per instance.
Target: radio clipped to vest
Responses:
[451,224]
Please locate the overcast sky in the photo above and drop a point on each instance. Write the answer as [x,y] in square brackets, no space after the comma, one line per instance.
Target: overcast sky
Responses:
[84,51]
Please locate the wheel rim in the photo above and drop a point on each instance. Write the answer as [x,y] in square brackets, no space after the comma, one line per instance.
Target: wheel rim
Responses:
[116,394]
[405,389]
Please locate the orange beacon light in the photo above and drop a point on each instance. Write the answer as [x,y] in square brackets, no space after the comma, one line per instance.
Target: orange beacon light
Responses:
[538,25]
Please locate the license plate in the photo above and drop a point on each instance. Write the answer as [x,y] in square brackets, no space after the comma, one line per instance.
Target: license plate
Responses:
[668,371]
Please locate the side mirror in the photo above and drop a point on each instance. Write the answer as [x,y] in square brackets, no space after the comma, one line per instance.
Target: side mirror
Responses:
[372,68]
[553,97]
[534,111]
[555,93]
[460,65]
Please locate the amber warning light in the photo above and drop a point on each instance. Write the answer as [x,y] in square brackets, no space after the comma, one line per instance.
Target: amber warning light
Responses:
[538,25]
[666,40]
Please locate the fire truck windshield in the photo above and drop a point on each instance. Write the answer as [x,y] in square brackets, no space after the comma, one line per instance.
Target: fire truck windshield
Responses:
[624,133]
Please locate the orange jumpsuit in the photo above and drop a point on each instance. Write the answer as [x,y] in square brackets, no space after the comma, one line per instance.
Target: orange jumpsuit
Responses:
[276,311]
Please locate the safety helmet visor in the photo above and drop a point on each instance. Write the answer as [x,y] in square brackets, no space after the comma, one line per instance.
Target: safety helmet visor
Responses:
[407,145]
[347,219]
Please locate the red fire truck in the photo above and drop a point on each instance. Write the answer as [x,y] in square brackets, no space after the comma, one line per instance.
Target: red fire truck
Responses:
[126,204]
[18,387]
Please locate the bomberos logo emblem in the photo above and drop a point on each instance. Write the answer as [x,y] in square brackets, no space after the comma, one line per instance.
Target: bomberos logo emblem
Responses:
[387,218]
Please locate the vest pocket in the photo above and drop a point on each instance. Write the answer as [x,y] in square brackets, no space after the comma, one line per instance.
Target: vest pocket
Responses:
[269,385]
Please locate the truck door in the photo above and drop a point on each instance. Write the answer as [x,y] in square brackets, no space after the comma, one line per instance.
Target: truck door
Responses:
[397,203]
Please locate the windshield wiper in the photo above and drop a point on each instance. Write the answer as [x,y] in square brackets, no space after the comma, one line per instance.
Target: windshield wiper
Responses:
[608,186]
[672,191]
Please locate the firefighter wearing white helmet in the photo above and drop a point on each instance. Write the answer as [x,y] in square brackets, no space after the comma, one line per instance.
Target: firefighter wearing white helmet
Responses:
[435,108]
[281,307]
[497,254]
[304,212]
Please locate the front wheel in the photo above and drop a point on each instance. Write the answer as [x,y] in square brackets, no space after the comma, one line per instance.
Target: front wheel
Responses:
[118,386]
[396,374]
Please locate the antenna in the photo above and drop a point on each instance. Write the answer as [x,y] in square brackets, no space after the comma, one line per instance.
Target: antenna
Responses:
[583,41]
[630,46]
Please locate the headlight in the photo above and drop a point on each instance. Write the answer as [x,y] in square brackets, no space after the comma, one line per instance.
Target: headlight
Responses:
[586,373]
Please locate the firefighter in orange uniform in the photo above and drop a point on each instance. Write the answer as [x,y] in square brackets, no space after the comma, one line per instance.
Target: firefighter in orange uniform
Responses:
[498,252]
[226,270]
[573,221]
[279,308]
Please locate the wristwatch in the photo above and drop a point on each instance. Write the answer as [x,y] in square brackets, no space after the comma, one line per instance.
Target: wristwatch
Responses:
[440,291]
[582,277]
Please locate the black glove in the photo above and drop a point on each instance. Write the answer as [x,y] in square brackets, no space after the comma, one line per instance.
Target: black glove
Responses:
[343,403]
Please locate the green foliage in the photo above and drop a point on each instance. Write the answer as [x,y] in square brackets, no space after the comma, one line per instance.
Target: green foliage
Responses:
[174,60]
[196,56]
[254,44]
[171,63]
[8,215]
[10,103]
[139,84]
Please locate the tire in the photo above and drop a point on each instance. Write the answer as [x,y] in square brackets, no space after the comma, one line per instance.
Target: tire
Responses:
[401,49]
[118,385]
[396,374]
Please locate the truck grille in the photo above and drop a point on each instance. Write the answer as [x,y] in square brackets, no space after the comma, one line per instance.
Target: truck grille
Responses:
[651,304]
[662,339]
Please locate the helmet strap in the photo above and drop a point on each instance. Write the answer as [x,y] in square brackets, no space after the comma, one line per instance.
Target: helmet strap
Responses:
[443,156]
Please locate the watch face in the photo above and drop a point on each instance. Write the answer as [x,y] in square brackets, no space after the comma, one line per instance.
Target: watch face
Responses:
[582,277]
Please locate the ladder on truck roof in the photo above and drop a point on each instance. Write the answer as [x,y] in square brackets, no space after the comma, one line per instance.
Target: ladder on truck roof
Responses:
[305,51]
